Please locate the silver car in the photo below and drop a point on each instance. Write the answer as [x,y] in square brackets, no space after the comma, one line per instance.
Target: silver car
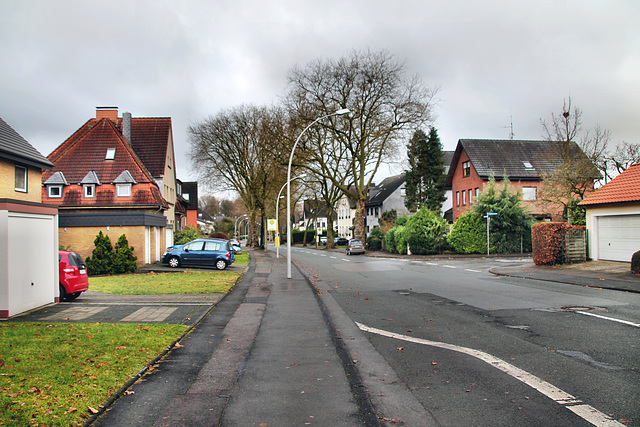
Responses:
[355,247]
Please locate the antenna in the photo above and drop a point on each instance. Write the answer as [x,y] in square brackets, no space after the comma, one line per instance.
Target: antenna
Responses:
[511,134]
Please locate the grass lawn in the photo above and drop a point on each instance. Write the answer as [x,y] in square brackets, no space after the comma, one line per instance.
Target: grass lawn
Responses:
[58,373]
[188,282]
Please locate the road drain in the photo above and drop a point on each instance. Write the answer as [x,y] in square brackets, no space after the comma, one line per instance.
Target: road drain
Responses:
[581,308]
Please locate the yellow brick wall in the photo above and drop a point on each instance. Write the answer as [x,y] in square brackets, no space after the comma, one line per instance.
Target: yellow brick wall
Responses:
[7,183]
[80,239]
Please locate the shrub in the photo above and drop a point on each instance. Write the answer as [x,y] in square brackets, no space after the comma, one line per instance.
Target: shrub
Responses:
[635,263]
[469,234]
[547,242]
[390,240]
[402,220]
[425,232]
[218,235]
[101,259]
[186,235]
[374,241]
[124,261]
[400,239]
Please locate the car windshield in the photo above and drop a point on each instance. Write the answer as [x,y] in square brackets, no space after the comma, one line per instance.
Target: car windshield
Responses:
[76,260]
[356,242]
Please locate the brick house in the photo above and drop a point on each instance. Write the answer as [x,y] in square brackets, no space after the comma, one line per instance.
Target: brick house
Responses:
[475,161]
[28,228]
[613,217]
[99,183]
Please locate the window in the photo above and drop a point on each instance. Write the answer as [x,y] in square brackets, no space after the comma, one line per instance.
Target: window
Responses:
[470,197]
[528,165]
[403,192]
[464,193]
[21,179]
[212,246]
[477,192]
[528,193]
[54,191]
[466,168]
[111,154]
[123,190]
[89,190]
[457,198]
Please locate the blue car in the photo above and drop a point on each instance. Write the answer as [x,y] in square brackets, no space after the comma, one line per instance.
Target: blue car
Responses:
[200,252]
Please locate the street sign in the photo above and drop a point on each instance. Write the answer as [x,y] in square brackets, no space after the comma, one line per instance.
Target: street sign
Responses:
[271,225]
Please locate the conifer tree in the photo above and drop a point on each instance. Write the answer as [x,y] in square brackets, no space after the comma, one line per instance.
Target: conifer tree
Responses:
[425,179]
[101,259]
[124,260]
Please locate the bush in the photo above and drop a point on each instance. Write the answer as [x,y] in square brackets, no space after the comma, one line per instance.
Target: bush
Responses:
[124,260]
[468,235]
[389,240]
[218,235]
[425,232]
[547,242]
[635,263]
[297,236]
[400,239]
[186,235]
[101,259]
[374,241]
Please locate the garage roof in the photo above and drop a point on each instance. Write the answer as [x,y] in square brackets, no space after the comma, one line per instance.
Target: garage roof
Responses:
[622,189]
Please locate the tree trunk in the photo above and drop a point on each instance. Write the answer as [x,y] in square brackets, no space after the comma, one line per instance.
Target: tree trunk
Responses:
[330,243]
[253,235]
[359,231]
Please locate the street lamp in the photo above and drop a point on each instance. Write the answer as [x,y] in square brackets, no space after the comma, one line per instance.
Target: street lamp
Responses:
[235,228]
[277,211]
[337,113]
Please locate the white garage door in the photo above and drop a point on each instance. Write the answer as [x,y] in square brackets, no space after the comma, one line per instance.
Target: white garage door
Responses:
[618,237]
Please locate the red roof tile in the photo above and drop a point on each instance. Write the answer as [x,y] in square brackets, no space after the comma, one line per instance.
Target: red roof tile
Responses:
[150,139]
[623,188]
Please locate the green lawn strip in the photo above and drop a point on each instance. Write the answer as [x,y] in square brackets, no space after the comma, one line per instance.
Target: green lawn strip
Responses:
[188,282]
[242,258]
[53,373]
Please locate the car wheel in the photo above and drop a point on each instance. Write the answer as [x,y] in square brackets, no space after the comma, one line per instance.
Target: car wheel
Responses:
[221,264]
[63,293]
[174,262]
[71,297]
[347,251]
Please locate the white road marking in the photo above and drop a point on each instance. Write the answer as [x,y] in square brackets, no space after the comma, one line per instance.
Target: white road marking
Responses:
[450,266]
[347,260]
[637,325]
[431,263]
[586,412]
[473,271]
[333,257]
[323,255]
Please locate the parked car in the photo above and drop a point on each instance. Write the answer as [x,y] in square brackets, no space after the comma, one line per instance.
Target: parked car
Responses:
[235,245]
[73,275]
[323,240]
[340,241]
[355,247]
[203,252]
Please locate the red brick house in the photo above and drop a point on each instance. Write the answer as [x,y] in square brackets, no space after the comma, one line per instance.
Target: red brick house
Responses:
[100,183]
[524,162]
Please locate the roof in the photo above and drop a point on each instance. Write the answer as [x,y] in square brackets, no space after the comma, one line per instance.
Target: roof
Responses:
[150,139]
[14,147]
[447,158]
[384,190]
[624,188]
[517,159]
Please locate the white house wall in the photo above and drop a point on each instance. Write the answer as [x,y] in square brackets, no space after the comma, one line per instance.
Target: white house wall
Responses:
[595,215]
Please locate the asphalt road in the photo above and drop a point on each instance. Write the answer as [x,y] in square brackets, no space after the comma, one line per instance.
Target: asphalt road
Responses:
[477,349]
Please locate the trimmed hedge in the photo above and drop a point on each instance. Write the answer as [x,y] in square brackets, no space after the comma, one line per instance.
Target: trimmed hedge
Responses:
[546,239]
[635,263]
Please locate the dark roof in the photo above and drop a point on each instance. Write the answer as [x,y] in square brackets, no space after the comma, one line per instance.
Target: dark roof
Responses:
[447,158]
[624,188]
[190,189]
[380,193]
[517,159]
[15,148]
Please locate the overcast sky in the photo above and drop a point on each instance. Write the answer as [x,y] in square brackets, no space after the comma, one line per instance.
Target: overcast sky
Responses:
[493,60]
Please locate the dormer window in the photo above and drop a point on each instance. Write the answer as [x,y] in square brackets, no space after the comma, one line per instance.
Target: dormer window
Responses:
[123,184]
[54,191]
[89,190]
[111,154]
[89,183]
[528,166]
[55,185]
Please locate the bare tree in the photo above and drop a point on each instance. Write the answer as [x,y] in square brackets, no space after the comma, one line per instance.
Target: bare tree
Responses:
[385,107]
[242,149]
[621,158]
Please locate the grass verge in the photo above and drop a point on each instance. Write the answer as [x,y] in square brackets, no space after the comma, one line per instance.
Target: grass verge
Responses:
[59,373]
[188,282]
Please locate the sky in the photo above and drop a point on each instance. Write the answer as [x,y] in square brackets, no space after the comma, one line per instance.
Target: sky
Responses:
[496,63]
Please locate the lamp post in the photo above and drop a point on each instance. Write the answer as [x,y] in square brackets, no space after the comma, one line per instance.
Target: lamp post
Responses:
[235,228]
[337,113]
[278,210]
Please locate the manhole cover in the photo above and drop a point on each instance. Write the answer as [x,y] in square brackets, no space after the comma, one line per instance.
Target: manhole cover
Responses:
[581,308]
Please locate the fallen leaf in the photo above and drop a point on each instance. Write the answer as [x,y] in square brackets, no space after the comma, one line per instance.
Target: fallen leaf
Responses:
[92,410]
[72,409]
[400,348]
[178,345]
[262,425]
[434,363]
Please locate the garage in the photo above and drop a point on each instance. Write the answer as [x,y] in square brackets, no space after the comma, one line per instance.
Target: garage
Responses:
[618,237]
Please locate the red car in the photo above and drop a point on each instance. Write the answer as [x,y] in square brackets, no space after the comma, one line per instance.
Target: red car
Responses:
[73,275]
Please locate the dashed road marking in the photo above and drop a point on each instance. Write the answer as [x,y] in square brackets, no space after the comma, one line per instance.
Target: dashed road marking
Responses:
[637,325]
[586,412]
[472,270]
[449,266]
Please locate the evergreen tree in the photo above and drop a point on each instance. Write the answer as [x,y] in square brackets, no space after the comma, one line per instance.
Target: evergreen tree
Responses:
[101,261]
[425,180]
[124,260]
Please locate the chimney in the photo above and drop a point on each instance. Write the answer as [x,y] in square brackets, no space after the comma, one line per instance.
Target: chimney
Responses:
[110,113]
[126,126]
